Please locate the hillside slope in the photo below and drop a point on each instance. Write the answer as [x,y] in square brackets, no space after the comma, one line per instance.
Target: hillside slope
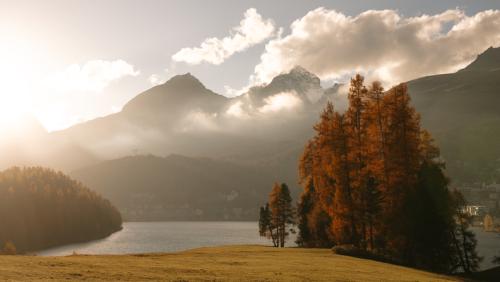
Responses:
[41,208]
[180,188]
[229,263]
[462,111]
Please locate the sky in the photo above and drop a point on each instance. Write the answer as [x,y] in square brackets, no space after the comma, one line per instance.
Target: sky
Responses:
[68,61]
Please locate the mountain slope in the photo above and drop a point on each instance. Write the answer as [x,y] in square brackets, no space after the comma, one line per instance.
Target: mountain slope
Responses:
[462,111]
[27,143]
[180,188]
[260,142]
[182,116]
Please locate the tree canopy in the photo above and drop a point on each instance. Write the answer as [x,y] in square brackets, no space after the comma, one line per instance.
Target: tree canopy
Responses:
[41,208]
[373,179]
[277,216]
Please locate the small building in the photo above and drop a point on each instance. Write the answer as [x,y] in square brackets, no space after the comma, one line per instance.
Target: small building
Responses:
[474,210]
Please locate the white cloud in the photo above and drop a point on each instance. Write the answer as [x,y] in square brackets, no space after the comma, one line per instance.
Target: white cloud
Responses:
[236,110]
[279,102]
[198,120]
[157,79]
[232,92]
[92,76]
[380,44]
[253,29]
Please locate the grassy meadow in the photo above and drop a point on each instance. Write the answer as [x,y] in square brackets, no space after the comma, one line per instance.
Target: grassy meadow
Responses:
[227,263]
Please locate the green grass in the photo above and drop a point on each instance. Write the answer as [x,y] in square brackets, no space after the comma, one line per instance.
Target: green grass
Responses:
[233,263]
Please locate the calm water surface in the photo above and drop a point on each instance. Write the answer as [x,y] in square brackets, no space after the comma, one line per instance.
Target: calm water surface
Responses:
[488,246]
[147,237]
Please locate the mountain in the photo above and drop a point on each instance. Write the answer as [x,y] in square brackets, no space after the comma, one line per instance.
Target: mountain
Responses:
[179,93]
[298,80]
[147,123]
[487,61]
[259,134]
[180,188]
[183,117]
[462,111]
[27,143]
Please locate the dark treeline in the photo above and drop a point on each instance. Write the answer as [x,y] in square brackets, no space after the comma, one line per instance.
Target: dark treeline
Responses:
[40,208]
[373,180]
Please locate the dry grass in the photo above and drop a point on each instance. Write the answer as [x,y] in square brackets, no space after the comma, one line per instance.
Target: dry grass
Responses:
[233,263]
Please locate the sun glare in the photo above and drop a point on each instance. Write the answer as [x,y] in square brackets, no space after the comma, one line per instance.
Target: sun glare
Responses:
[18,71]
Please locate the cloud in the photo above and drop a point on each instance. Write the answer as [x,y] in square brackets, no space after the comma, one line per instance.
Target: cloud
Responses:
[253,29]
[380,44]
[92,76]
[157,79]
[198,120]
[234,92]
[236,110]
[279,102]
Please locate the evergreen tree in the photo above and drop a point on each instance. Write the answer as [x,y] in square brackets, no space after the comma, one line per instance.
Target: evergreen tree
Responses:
[282,213]
[304,208]
[266,229]
[464,239]
[41,208]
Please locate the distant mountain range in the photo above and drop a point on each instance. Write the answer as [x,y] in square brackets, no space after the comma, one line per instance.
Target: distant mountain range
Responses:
[217,157]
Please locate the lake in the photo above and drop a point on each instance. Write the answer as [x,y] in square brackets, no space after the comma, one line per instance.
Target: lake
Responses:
[488,246]
[149,237]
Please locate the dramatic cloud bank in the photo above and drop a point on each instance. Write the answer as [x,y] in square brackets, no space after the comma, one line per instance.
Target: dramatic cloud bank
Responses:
[251,31]
[380,44]
[92,76]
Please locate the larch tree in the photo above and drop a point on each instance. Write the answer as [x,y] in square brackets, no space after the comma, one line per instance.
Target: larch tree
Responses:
[313,221]
[403,161]
[373,178]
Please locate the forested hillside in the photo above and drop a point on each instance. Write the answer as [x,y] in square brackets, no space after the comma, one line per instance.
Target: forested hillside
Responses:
[179,188]
[41,208]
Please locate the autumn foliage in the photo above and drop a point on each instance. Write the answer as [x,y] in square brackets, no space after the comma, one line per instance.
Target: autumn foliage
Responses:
[373,179]
[41,208]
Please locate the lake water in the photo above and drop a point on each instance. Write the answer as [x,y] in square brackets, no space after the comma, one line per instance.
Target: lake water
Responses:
[148,237]
[488,246]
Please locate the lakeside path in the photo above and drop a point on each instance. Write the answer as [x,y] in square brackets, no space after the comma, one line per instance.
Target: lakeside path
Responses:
[227,263]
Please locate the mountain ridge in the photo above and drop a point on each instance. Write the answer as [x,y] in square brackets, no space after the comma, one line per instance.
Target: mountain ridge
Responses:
[192,130]
[486,61]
